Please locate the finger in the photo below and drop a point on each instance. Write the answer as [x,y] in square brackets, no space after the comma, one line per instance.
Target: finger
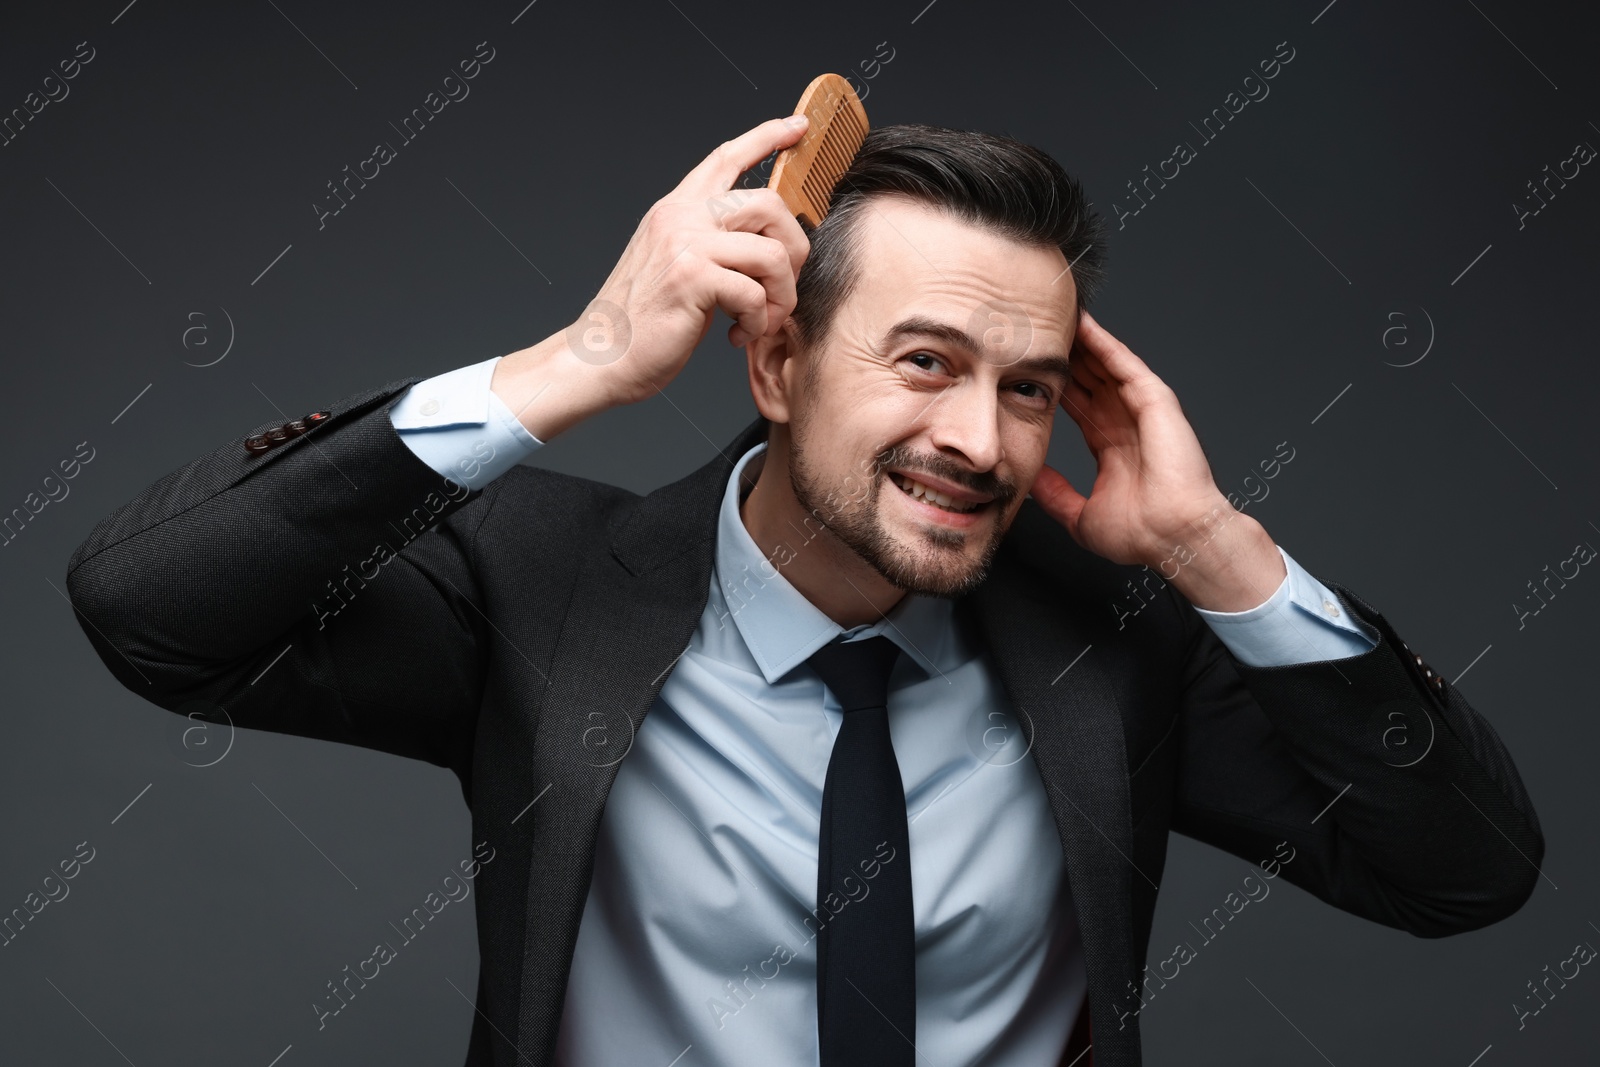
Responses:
[1096,418]
[1084,375]
[763,211]
[1076,397]
[761,258]
[1077,403]
[742,299]
[1058,498]
[1128,379]
[1107,357]
[719,170]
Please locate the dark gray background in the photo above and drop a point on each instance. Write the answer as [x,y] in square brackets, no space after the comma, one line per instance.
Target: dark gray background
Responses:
[187,157]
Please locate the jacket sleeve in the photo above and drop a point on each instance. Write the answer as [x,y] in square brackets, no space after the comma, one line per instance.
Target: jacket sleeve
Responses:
[320,588]
[1397,798]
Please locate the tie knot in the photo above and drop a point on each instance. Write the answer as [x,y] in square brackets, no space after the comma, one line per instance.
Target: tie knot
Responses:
[857,672]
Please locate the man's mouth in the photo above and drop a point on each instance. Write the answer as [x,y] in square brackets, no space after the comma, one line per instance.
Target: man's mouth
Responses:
[918,491]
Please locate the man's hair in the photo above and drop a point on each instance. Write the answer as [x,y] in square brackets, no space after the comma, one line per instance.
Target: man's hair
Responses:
[1002,184]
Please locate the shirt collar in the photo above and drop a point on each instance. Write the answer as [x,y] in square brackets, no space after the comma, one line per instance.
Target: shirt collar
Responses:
[781,628]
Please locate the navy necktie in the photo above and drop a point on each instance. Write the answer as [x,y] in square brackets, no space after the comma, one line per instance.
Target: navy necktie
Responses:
[866,955]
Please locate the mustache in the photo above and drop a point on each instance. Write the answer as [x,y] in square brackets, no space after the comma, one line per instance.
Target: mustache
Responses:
[986,483]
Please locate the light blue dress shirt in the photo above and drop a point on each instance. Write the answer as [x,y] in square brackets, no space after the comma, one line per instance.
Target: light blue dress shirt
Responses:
[698,935]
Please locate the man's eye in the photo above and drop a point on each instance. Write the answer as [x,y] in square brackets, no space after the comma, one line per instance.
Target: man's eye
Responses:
[924,355]
[1040,392]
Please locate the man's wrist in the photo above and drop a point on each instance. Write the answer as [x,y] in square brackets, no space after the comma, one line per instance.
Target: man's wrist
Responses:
[549,388]
[1226,562]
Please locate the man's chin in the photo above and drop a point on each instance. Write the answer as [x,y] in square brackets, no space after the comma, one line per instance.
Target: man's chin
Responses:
[945,587]
[951,574]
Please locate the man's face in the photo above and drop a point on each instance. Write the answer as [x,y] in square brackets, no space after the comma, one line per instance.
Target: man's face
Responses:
[945,366]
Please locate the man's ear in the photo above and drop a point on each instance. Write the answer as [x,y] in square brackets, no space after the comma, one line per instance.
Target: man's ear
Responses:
[776,371]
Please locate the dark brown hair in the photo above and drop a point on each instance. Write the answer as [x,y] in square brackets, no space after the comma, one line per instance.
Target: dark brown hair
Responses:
[1010,187]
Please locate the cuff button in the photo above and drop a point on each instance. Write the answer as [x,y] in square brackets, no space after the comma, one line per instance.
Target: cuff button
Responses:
[256,445]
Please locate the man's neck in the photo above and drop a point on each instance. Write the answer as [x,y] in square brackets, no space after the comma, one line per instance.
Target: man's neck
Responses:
[809,556]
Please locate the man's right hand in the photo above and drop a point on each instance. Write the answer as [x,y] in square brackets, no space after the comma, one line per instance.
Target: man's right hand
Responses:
[703,246]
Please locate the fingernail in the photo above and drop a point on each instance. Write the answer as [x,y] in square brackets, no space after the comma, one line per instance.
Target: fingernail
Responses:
[797,121]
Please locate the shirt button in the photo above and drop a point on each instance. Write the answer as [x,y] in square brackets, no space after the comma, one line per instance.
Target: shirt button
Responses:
[1331,608]
[430,408]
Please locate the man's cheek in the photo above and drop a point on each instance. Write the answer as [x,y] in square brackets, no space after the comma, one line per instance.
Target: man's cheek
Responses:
[851,489]
[867,488]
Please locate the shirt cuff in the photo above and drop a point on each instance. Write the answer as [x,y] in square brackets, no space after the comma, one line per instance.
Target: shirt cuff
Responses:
[456,424]
[1303,621]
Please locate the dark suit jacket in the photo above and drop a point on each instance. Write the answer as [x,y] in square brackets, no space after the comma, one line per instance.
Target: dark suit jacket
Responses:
[514,621]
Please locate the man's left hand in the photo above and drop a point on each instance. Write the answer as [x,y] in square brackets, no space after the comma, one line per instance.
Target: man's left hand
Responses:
[1154,500]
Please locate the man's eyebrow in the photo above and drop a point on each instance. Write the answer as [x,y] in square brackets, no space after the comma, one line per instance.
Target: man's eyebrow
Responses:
[955,337]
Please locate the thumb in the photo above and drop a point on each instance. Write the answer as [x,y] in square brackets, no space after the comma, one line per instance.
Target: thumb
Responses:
[1058,498]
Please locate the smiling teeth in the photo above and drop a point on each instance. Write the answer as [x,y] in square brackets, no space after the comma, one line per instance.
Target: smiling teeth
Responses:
[919,491]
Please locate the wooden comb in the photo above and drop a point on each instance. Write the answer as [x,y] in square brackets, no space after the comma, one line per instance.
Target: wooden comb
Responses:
[806,172]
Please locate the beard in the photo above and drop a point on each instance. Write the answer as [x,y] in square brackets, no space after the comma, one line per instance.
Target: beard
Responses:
[937,563]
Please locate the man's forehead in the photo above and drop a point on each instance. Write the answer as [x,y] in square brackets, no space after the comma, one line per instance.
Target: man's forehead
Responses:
[918,264]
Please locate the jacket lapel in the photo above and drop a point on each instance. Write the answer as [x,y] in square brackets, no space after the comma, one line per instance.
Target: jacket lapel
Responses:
[1068,711]
[634,608]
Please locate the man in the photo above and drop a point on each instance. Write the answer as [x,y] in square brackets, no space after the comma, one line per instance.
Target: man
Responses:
[860,744]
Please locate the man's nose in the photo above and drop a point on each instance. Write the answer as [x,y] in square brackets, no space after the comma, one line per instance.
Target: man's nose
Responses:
[967,420]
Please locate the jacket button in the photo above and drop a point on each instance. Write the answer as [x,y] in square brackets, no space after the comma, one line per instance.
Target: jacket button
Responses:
[295,428]
[277,435]
[256,445]
[315,418]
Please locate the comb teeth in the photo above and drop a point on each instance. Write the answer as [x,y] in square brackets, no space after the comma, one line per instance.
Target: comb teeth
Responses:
[837,149]
[806,173]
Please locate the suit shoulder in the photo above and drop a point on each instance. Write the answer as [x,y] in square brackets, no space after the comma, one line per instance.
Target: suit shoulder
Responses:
[1042,544]
[1092,584]
[536,498]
